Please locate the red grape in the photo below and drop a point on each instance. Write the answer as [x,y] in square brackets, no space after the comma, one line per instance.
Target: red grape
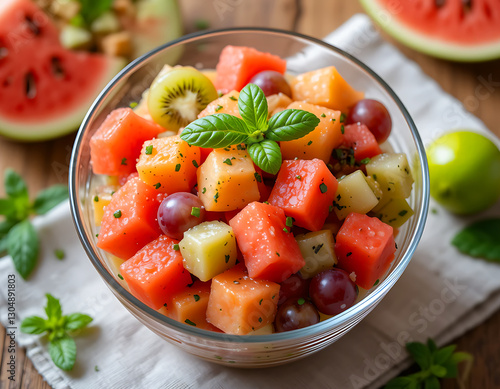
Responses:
[374,115]
[272,83]
[332,291]
[293,286]
[179,212]
[295,313]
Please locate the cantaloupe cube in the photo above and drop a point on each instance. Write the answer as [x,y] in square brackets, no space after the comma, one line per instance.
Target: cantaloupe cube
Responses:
[227,103]
[325,87]
[169,164]
[239,304]
[317,248]
[227,180]
[277,103]
[208,249]
[393,174]
[189,305]
[321,141]
[395,213]
[100,200]
[354,195]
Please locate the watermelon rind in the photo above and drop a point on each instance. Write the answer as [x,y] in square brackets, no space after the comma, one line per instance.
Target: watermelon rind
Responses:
[56,127]
[428,44]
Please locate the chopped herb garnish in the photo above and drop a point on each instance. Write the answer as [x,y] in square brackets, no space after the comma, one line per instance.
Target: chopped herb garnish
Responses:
[219,107]
[196,297]
[301,301]
[203,190]
[342,117]
[376,283]
[257,177]
[157,186]
[195,164]
[176,247]
[96,199]
[285,229]
[323,188]
[133,104]
[348,254]
[177,167]
[233,98]
[434,211]
[278,254]
[120,276]
[96,368]
[375,177]
[124,161]
[227,161]
[117,214]
[323,115]
[260,320]
[403,212]
[226,258]
[342,129]
[195,211]
[364,161]
[149,150]
[216,196]
[309,143]
[260,302]
[333,120]
[59,254]
[187,321]
[289,221]
[317,248]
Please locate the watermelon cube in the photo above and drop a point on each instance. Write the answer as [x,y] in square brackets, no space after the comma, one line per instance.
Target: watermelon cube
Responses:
[129,221]
[361,140]
[238,64]
[239,304]
[305,190]
[269,249]
[155,272]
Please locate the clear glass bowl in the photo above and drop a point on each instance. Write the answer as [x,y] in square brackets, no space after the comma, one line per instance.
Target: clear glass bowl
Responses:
[202,51]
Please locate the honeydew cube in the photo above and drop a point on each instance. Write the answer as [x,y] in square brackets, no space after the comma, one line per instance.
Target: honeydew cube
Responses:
[101,200]
[268,329]
[354,194]
[208,249]
[317,248]
[393,173]
[227,180]
[395,213]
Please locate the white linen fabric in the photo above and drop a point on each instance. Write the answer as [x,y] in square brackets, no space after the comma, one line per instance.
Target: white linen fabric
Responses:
[441,294]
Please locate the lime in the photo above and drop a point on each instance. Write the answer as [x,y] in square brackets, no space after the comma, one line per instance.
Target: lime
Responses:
[464,170]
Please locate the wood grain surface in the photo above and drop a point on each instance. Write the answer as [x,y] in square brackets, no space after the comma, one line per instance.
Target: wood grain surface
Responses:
[46,163]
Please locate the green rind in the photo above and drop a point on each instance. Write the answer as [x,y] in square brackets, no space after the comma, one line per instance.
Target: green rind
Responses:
[429,45]
[63,125]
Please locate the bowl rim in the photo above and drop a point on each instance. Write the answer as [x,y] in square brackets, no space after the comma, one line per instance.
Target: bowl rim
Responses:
[363,305]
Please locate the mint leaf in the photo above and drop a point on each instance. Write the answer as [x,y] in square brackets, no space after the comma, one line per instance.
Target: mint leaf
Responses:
[8,208]
[480,239]
[22,246]
[15,186]
[53,308]
[218,130]
[432,383]
[49,198]
[442,355]
[420,353]
[34,325]
[266,155]
[291,124]
[76,321]
[402,383]
[252,104]
[431,345]
[5,227]
[91,9]
[63,352]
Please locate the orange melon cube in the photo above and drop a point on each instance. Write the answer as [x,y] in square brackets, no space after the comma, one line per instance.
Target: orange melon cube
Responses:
[101,199]
[325,87]
[224,104]
[239,304]
[169,164]
[227,180]
[321,141]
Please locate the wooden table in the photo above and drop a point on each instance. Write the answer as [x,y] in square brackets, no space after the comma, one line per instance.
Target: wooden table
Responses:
[43,164]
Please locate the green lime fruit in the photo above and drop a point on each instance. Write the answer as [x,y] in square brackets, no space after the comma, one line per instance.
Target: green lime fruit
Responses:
[464,169]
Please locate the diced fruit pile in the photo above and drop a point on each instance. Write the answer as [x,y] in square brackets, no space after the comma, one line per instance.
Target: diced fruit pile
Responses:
[265,209]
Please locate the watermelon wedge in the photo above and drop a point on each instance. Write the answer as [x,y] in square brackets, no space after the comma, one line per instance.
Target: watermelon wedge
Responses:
[45,89]
[459,30]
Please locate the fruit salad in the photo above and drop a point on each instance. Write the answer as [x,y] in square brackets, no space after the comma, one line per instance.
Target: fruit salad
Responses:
[247,200]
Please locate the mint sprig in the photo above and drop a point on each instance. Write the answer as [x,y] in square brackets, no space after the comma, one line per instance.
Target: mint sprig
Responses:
[480,239]
[62,347]
[253,129]
[434,364]
[17,235]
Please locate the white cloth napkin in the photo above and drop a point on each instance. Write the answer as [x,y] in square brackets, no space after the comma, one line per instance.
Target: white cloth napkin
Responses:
[441,295]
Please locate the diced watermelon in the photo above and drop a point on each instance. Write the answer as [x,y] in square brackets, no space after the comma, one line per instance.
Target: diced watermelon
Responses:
[116,145]
[269,252]
[156,272]
[361,139]
[130,221]
[305,190]
[365,245]
[238,64]
[239,304]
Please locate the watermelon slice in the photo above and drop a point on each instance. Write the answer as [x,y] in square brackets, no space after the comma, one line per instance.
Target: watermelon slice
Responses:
[45,90]
[451,29]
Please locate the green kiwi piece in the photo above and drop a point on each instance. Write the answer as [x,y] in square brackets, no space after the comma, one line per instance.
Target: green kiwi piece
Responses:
[178,96]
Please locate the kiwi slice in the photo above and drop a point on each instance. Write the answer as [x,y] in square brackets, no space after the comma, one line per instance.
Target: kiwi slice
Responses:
[178,96]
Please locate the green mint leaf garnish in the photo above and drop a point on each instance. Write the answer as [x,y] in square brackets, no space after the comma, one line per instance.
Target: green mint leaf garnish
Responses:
[117,214]
[62,351]
[252,104]
[91,9]
[62,347]
[216,131]
[49,198]
[266,155]
[22,246]
[420,353]
[291,124]
[149,150]
[480,240]
[15,186]
[60,254]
